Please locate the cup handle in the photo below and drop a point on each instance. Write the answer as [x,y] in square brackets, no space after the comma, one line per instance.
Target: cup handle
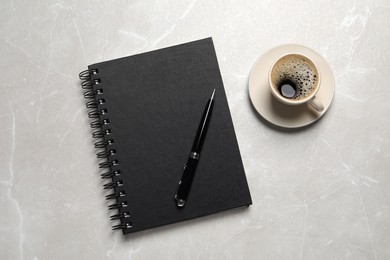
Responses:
[316,104]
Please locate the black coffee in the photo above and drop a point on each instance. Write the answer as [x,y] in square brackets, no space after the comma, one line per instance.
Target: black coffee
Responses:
[295,77]
[287,89]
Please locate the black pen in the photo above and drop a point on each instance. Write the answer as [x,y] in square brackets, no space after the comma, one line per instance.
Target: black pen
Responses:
[184,186]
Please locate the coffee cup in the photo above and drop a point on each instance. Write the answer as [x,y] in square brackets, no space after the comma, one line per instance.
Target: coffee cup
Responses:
[294,79]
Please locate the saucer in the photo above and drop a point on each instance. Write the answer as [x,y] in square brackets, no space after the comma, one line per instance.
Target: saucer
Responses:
[274,111]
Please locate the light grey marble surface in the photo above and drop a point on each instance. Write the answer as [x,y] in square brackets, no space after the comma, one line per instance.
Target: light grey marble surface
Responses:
[320,193]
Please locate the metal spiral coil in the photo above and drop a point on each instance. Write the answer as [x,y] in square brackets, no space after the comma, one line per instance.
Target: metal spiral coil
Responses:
[94,114]
[96,124]
[110,175]
[118,205]
[115,195]
[106,154]
[99,123]
[103,143]
[92,104]
[123,226]
[112,185]
[98,113]
[120,215]
[108,164]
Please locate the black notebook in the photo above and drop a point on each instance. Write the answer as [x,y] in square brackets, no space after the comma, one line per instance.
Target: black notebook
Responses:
[145,110]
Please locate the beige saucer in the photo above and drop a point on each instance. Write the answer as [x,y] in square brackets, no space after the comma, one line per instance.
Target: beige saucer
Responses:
[277,113]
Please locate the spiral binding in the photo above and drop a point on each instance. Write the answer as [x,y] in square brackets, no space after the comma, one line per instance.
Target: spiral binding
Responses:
[94,95]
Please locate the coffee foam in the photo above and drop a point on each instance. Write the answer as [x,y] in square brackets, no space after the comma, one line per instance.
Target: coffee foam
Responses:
[300,71]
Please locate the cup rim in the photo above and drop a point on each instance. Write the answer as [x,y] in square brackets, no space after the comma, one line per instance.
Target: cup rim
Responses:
[288,101]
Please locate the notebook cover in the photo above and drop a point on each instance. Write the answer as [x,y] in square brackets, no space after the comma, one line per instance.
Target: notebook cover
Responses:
[154,103]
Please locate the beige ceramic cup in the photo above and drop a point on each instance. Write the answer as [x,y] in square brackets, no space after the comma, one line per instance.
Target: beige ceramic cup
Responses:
[295,80]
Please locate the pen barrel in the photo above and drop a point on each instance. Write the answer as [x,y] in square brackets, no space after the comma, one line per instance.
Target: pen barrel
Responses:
[202,128]
[187,178]
[185,183]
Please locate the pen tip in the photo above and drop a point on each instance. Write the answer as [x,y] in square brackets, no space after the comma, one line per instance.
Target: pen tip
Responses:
[212,95]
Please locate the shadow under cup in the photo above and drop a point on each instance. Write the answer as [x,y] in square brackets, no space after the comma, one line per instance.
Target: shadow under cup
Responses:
[294,79]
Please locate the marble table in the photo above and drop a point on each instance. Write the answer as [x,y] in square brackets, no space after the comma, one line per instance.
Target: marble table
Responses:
[318,193]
